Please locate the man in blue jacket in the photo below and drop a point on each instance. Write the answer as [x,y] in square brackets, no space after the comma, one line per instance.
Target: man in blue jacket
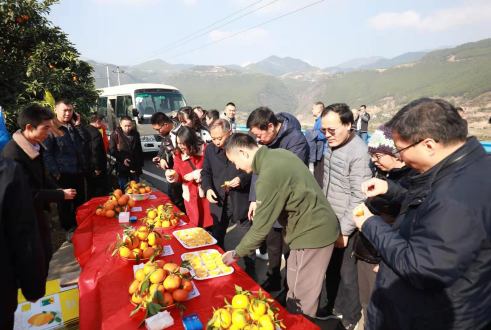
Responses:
[436,258]
[276,131]
[66,162]
[317,143]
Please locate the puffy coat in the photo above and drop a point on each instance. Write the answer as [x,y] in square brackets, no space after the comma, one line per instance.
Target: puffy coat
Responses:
[121,148]
[345,169]
[64,153]
[197,206]
[436,269]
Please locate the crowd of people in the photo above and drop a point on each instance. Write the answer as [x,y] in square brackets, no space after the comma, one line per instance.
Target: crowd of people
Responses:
[397,227]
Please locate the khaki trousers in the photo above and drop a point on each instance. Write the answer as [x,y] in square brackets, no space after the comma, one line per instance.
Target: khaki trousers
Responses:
[305,276]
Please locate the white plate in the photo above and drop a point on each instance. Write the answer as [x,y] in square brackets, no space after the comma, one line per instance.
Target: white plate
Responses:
[196,247]
[196,253]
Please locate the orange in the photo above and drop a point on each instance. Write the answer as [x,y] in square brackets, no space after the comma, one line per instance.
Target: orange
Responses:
[133,182]
[140,274]
[358,211]
[153,238]
[142,191]
[137,252]
[157,276]
[98,211]
[171,267]
[240,301]
[132,242]
[152,215]
[172,282]
[109,206]
[134,286]
[160,263]
[136,298]
[143,245]
[124,252]
[142,233]
[148,189]
[168,299]
[110,214]
[118,193]
[149,267]
[131,203]
[148,252]
[180,295]
[187,285]
[129,191]
[122,201]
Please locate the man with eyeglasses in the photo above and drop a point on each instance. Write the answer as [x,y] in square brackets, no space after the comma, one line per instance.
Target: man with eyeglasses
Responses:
[436,258]
[346,167]
[167,128]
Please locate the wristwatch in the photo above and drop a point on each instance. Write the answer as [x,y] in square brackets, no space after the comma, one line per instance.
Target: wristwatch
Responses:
[235,255]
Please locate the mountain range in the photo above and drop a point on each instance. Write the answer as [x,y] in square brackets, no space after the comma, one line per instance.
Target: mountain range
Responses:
[459,74]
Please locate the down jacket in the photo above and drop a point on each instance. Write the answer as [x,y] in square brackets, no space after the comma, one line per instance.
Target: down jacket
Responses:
[345,169]
[436,269]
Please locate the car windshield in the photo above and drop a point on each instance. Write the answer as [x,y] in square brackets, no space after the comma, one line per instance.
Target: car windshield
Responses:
[149,103]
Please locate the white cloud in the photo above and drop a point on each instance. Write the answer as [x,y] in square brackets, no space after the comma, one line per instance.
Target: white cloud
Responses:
[468,13]
[252,37]
[246,63]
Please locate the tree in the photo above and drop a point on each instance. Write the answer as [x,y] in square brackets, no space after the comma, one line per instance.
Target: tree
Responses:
[37,57]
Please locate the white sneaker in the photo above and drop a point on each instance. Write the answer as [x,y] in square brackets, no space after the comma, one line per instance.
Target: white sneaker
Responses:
[261,256]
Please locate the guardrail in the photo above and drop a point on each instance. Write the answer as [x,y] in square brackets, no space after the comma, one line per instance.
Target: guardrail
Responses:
[485,144]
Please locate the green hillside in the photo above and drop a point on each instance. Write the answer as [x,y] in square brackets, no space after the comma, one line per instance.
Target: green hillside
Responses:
[462,71]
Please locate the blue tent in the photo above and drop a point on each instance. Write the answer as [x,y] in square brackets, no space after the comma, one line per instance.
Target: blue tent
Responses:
[4,134]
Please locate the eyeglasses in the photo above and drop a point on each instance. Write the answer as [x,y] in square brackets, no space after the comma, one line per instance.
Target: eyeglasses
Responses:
[158,129]
[398,152]
[377,156]
[331,131]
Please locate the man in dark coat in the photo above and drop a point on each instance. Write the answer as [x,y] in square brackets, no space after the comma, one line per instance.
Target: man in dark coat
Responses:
[276,131]
[97,179]
[23,263]
[227,189]
[66,160]
[125,145]
[167,128]
[436,258]
[26,149]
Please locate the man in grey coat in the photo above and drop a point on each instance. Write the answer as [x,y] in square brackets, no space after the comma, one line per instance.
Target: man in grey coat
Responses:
[346,162]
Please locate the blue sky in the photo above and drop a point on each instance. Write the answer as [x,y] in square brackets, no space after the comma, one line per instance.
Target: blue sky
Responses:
[328,33]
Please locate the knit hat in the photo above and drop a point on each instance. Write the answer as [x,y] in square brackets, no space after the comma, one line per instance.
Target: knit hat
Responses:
[382,141]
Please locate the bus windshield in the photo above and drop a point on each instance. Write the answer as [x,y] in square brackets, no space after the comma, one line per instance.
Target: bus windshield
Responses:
[149,103]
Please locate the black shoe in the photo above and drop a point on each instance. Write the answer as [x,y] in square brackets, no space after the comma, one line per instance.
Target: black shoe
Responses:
[272,284]
[281,298]
[326,313]
[343,325]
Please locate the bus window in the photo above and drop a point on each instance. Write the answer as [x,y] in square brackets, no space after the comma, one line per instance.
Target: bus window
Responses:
[124,105]
[102,106]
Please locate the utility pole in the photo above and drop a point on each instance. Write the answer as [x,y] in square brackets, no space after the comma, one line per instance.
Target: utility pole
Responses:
[119,81]
[107,70]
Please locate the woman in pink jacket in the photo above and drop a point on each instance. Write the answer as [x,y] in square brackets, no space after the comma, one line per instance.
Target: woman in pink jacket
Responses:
[188,163]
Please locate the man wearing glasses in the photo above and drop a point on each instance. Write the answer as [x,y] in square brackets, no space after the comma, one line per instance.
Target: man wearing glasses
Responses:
[346,167]
[436,258]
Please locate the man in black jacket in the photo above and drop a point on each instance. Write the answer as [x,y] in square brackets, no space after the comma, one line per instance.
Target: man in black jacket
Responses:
[167,128]
[97,180]
[436,258]
[26,149]
[125,145]
[23,262]
[361,122]
[227,189]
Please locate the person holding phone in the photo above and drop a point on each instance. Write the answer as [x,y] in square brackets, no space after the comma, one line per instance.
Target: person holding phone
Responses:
[66,160]
[125,145]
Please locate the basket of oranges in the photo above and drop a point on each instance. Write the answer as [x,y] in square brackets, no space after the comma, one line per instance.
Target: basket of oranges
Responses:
[138,191]
[162,217]
[158,286]
[138,245]
[116,204]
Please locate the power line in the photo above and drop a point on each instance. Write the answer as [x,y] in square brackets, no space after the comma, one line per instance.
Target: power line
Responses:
[200,30]
[133,77]
[185,42]
[230,36]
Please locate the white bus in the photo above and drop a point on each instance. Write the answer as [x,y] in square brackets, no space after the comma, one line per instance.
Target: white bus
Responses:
[140,102]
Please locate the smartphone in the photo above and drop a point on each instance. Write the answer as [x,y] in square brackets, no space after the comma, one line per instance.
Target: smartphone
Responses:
[74,117]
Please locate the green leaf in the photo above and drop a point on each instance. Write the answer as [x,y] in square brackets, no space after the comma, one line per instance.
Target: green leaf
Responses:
[57,319]
[143,321]
[114,252]
[238,289]
[53,313]
[226,301]
[134,311]
[159,296]
[144,287]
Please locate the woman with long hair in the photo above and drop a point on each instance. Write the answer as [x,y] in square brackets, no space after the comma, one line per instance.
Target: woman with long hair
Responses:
[187,117]
[188,163]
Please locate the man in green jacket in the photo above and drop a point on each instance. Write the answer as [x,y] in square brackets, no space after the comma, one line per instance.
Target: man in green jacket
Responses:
[286,190]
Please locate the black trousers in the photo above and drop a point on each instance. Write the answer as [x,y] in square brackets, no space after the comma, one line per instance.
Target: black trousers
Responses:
[242,225]
[176,197]
[276,246]
[319,171]
[96,186]
[342,284]
[66,209]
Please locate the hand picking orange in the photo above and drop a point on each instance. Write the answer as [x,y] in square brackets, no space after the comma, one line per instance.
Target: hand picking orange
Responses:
[358,211]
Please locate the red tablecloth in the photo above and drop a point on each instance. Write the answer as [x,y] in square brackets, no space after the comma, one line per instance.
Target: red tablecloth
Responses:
[104,281]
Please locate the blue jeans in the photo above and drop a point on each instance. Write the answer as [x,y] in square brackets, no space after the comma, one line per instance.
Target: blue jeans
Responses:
[363,135]
[123,181]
